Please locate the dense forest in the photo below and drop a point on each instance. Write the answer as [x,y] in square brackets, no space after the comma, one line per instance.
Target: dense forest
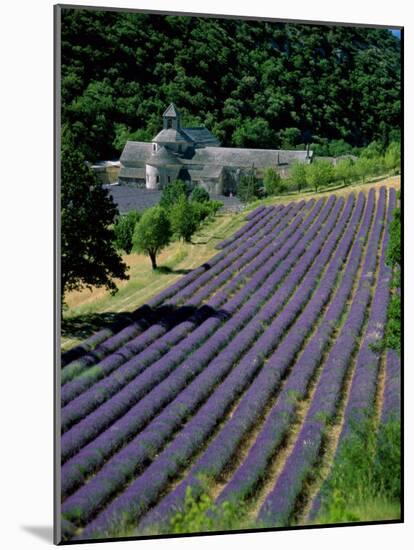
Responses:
[252,83]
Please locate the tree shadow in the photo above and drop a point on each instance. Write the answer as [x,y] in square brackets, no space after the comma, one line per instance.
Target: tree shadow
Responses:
[168,270]
[85,325]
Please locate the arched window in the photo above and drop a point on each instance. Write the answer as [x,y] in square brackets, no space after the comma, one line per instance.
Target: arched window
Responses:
[158,179]
[169,122]
[154,146]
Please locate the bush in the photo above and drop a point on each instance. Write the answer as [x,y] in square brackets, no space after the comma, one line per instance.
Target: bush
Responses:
[367,468]
[199,194]
[272,182]
[298,175]
[249,189]
[172,193]
[320,173]
[124,230]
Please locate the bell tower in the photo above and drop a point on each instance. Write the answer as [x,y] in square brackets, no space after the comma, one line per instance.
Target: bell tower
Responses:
[171,118]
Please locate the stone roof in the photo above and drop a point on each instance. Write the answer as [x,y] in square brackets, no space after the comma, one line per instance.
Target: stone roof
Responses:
[163,157]
[210,171]
[132,172]
[136,152]
[229,156]
[171,136]
[171,111]
[201,136]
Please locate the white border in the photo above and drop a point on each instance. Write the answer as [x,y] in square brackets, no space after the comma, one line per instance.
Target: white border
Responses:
[26,274]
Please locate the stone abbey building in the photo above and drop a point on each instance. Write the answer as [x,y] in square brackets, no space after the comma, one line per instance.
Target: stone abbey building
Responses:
[194,155]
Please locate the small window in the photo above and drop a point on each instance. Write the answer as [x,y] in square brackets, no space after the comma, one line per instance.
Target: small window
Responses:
[169,179]
[169,122]
[154,147]
[158,179]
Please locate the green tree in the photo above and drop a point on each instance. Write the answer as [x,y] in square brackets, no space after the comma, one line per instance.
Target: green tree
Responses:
[199,194]
[173,192]
[392,158]
[272,182]
[184,220]
[152,233]
[248,188]
[320,173]
[344,170]
[298,174]
[124,230]
[363,167]
[88,256]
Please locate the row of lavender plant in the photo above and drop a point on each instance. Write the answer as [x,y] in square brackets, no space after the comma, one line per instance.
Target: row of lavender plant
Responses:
[280,503]
[219,452]
[281,417]
[252,218]
[259,231]
[263,237]
[92,375]
[85,403]
[199,427]
[108,340]
[254,212]
[362,394]
[74,472]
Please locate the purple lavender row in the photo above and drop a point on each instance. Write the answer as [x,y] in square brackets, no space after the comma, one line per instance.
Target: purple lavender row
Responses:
[86,402]
[116,340]
[144,318]
[265,250]
[253,469]
[74,472]
[220,451]
[109,364]
[249,243]
[97,339]
[81,406]
[252,220]
[254,213]
[280,503]
[391,407]
[158,431]
[364,382]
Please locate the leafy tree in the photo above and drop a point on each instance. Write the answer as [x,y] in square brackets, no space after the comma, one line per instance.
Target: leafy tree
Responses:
[88,256]
[344,170]
[173,192]
[152,233]
[289,137]
[272,182]
[363,168]
[298,174]
[199,194]
[320,173]
[392,158]
[249,189]
[297,78]
[184,220]
[124,230]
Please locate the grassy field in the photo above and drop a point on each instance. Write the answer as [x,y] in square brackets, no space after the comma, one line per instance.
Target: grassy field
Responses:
[87,311]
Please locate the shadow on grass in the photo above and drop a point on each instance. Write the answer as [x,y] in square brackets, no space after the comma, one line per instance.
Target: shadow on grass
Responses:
[83,326]
[164,269]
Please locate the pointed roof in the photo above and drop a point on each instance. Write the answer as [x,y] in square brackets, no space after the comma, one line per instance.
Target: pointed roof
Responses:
[171,111]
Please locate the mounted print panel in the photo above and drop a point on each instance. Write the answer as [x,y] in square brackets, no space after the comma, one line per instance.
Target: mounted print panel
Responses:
[228,196]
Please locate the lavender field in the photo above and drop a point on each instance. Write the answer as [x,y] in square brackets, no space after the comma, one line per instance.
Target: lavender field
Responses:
[238,381]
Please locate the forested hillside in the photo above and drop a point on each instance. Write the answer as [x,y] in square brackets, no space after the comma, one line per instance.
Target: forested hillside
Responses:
[254,84]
